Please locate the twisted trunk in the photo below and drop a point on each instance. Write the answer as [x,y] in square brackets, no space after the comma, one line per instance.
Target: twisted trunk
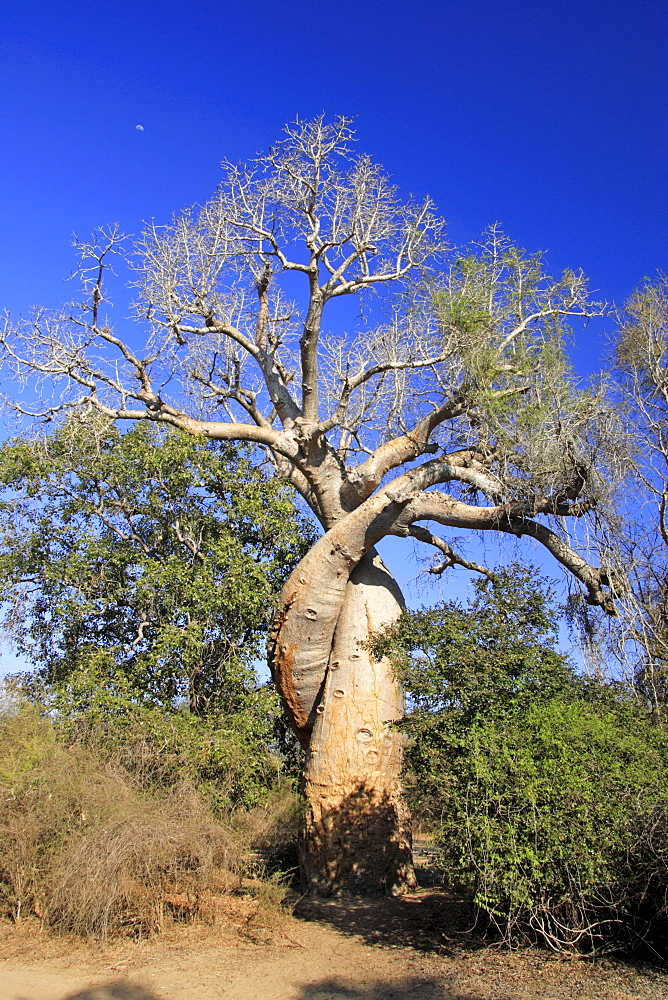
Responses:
[357,831]
[342,704]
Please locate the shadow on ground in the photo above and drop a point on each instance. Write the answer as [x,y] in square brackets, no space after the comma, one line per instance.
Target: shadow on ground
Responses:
[427,920]
[332,988]
[410,988]
[121,989]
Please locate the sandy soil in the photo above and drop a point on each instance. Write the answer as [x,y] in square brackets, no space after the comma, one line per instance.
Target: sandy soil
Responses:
[407,949]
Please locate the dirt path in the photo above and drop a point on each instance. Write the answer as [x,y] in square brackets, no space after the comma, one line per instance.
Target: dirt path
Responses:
[373,950]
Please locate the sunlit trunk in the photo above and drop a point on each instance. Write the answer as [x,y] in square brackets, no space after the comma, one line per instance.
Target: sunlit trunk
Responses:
[343,703]
[357,831]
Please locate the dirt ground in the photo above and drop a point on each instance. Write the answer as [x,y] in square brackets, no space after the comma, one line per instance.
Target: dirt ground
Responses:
[380,949]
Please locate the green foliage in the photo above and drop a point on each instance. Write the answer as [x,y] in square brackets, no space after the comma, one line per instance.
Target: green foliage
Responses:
[546,808]
[504,319]
[543,787]
[641,350]
[26,740]
[141,571]
[225,755]
[494,656]
[163,551]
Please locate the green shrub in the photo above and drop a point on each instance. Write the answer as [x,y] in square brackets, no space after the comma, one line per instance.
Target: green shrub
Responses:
[540,815]
[224,755]
[547,793]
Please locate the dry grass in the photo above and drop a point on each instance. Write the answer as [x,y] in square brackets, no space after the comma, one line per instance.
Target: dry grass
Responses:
[271,831]
[89,849]
[159,860]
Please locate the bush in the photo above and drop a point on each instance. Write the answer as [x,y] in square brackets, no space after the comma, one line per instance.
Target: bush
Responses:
[114,823]
[547,792]
[224,755]
[149,861]
[545,821]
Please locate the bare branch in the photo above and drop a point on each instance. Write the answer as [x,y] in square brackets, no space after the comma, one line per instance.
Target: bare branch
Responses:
[449,364]
[451,557]
[455,514]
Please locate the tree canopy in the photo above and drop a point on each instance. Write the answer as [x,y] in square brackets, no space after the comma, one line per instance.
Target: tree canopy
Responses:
[163,552]
[460,352]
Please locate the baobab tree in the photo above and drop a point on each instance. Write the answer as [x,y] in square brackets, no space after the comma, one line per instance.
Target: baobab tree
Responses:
[450,403]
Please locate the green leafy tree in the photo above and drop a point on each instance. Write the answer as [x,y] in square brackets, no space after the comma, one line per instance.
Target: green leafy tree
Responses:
[164,552]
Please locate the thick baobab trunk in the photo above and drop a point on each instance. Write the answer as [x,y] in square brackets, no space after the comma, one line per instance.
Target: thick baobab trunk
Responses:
[342,702]
[357,831]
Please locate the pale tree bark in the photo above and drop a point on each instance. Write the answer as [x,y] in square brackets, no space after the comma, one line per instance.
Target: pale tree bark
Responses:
[419,416]
[357,834]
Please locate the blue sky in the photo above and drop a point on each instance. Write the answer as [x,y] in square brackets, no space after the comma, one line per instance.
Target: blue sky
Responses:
[550,118]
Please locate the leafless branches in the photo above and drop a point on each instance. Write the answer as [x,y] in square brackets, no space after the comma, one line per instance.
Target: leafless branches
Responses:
[460,353]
